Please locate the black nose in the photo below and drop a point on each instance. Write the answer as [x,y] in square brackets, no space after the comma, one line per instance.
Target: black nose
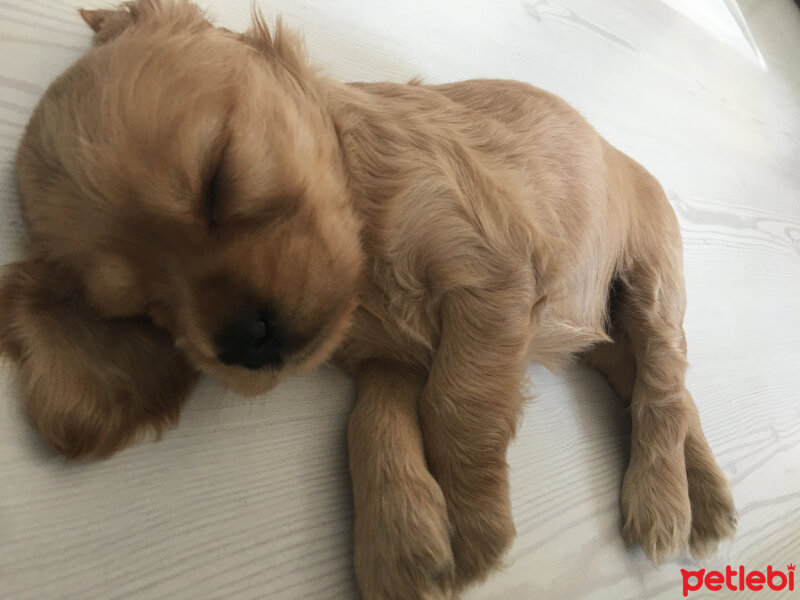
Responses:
[251,340]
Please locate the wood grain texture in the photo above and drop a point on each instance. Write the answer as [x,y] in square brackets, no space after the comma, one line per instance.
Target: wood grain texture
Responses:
[249,498]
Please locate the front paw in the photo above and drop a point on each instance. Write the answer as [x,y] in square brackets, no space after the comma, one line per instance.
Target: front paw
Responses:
[656,510]
[402,543]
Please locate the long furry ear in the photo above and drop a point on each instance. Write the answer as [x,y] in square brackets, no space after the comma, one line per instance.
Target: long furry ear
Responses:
[175,14]
[90,385]
[108,24]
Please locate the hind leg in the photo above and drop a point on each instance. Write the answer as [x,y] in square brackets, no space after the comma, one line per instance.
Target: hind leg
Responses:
[655,495]
[656,488]
[615,361]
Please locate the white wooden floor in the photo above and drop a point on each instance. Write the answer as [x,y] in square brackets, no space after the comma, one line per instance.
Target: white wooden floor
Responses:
[250,498]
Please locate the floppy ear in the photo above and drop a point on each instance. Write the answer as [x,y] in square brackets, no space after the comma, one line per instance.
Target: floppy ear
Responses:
[108,24]
[175,16]
[90,385]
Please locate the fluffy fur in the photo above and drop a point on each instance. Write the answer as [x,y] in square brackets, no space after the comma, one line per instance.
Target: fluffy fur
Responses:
[432,239]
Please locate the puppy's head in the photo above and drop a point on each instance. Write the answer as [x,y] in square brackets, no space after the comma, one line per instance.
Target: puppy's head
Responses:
[192,175]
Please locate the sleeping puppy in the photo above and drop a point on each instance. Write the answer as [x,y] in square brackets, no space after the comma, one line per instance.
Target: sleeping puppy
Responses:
[201,201]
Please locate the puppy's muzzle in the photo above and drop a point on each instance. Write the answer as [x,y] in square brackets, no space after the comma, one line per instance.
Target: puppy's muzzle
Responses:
[251,340]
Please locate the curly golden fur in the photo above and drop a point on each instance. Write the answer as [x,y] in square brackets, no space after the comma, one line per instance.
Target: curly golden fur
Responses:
[432,239]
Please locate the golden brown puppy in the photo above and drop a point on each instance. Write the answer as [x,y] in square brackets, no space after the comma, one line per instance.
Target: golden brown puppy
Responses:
[202,201]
